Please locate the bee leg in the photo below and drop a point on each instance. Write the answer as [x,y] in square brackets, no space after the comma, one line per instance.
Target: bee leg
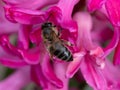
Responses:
[54,26]
[51,57]
[67,43]
[50,49]
[59,31]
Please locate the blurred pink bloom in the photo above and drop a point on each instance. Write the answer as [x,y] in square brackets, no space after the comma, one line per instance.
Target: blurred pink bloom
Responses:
[110,8]
[91,58]
[17,80]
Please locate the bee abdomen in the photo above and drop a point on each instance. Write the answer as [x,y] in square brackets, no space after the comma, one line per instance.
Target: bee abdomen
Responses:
[63,54]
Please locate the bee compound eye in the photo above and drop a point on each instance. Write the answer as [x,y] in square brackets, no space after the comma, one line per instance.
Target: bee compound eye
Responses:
[49,24]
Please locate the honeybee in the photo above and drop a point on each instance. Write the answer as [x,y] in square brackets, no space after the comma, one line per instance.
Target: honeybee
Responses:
[53,43]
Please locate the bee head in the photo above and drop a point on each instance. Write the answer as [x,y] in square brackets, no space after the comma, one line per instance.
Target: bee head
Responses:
[47,25]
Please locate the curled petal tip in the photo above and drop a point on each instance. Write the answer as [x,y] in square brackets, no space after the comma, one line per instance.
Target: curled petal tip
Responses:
[101,64]
[74,65]
[80,54]
[68,76]
[97,52]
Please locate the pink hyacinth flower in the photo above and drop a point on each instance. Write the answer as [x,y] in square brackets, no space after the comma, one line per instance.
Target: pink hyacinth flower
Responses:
[30,20]
[90,57]
[110,8]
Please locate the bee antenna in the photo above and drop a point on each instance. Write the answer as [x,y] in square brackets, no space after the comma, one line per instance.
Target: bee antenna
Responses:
[48,17]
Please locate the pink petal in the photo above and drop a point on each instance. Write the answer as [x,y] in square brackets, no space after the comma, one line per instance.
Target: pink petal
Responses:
[99,34]
[112,44]
[10,60]
[112,75]
[31,57]
[95,4]
[54,14]
[38,77]
[97,52]
[105,37]
[12,63]
[70,25]
[101,79]
[116,57]
[74,65]
[84,22]
[7,46]
[113,11]
[67,8]
[35,36]
[5,25]
[92,75]
[24,16]
[100,37]
[20,78]
[31,4]
[23,36]
[60,70]
[49,73]
[69,34]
